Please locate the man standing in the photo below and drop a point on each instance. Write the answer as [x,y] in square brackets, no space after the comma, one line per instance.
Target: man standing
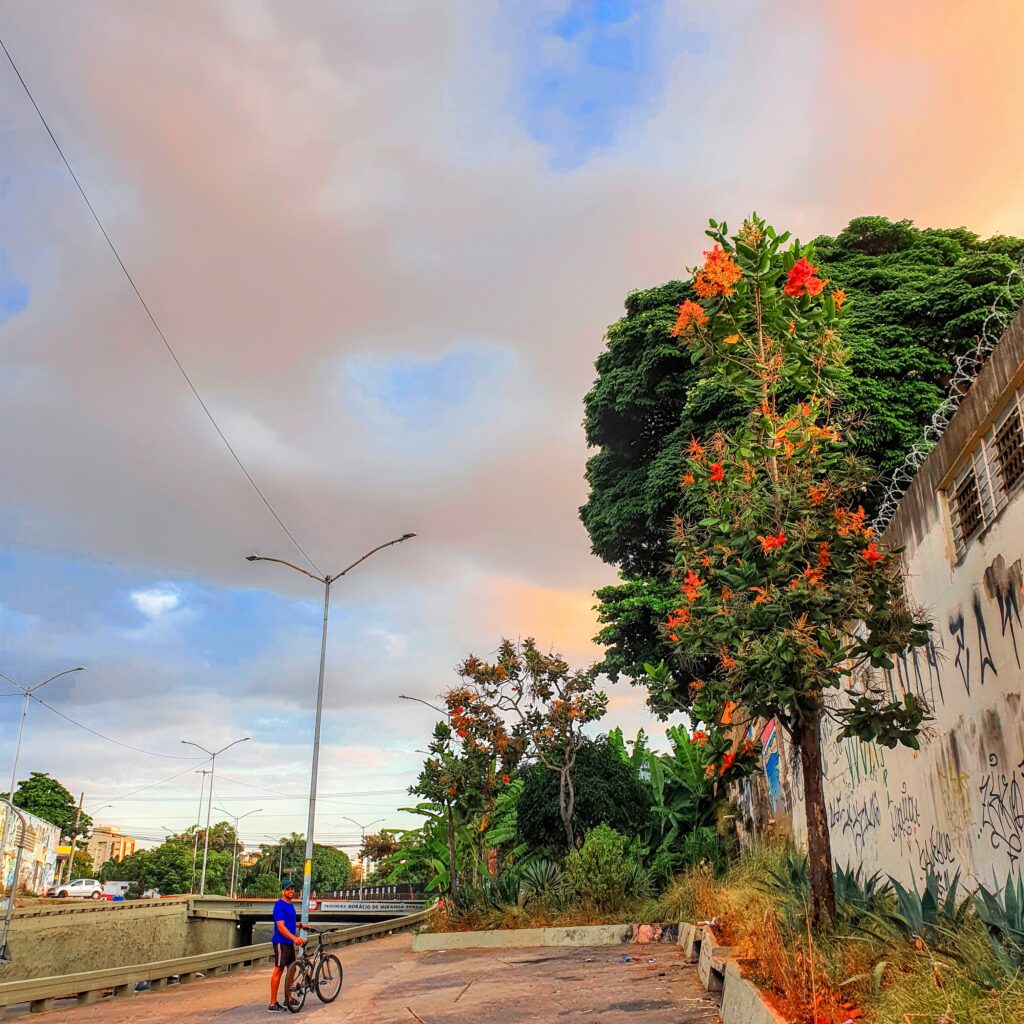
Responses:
[285,940]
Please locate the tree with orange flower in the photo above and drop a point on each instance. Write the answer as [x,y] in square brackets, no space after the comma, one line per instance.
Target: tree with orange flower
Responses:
[527,702]
[785,599]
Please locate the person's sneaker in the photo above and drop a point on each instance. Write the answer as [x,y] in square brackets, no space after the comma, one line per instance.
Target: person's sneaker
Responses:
[276,1008]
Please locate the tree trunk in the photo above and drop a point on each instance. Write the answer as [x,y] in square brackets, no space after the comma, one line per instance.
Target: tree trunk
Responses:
[453,872]
[819,844]
[566,802]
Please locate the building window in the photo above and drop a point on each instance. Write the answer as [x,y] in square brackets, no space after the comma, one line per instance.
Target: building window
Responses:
[989,478]
[1009,448]
[967,507]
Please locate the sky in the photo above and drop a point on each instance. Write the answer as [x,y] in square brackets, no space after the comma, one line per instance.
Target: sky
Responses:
[385,241]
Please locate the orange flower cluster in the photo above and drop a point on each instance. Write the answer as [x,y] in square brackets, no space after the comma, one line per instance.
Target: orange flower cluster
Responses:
[747,748]
[505,779]
[679,617]
[718,275]
[691,586]
[772,542]
[699,737]
[824,555]
[748,472]
[849,522]
[717,474]
[762,594]
[691,318]
[727,763]
[687,479]
[728,662]
[840,297]
[817,493]
[802,280]
[695,450]
[730,707]
[731,340]
[872,555]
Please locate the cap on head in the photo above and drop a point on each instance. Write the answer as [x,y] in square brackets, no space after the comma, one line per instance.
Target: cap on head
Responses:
[287,885]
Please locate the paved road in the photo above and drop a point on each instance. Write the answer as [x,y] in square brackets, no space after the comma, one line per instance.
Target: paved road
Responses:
[386,983]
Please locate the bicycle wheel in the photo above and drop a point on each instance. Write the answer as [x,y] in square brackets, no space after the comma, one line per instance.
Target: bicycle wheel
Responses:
[328,978]
[295,985]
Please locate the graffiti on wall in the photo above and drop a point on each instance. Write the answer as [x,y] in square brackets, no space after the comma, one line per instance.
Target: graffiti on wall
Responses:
[957,805]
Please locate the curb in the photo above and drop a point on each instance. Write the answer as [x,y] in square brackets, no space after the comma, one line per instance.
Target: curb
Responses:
[742,1002]
[512,938]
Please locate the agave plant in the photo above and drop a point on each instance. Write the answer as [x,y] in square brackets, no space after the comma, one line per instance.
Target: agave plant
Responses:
[928,915]
[859,896]
[539,879]
[1002,914]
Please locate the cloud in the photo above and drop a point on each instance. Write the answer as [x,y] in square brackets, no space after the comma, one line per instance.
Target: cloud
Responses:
[156,601]
[386,242]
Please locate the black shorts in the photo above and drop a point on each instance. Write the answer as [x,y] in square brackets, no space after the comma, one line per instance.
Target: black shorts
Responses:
[284,954]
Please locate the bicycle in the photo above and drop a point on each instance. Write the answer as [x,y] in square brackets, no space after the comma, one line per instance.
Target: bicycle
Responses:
[318,972]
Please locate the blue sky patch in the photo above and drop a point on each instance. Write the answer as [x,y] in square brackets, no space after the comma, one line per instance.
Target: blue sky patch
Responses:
[586,71]
[14,294]
[421,391]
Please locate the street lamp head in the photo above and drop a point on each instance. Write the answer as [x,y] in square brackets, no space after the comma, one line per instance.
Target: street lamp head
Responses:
[408,536]
[252,558]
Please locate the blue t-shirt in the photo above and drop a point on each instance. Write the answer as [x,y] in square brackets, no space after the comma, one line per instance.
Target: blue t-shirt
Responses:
[284,912]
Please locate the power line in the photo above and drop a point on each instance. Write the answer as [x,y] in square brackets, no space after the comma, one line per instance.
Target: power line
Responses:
[110,739]
[135,792]
[149,313]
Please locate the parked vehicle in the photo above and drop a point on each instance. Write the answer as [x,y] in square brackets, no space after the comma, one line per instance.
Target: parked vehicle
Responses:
[84,888]
[115,888]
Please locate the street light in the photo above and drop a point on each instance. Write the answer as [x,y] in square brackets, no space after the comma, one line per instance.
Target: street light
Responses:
[362,829]
[199,817]
[279,843]
[213,764]
[307,867]
[234,852]
[27,691]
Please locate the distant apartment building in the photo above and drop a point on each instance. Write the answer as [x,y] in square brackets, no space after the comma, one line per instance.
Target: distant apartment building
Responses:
[107,843]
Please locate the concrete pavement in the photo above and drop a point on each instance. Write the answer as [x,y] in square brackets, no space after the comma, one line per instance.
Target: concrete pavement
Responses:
[386,983]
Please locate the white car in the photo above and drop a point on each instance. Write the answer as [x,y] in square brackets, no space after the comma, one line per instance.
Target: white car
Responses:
[87,888]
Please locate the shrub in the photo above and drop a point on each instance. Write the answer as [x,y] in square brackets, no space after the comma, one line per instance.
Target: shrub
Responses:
[604,872]
[1002,914]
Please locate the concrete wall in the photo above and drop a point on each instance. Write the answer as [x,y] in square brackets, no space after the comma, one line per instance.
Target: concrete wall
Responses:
[113,937]
[958,804]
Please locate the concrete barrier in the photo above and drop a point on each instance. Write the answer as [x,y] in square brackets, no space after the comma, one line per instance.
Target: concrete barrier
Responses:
[88,986]
[742,1002]
[509,938]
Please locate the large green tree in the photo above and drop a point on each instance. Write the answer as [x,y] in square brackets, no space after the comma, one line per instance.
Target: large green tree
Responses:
[607,792]
[919,298]
[42,795]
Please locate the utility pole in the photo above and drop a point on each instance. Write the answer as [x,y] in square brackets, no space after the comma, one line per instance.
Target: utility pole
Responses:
[209,804]
[362,859]
[199,817]
[234,855]
[28,691]
[307,867]
[74,838]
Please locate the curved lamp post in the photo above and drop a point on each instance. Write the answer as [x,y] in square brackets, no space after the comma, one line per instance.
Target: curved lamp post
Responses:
[209,805]
[307,867]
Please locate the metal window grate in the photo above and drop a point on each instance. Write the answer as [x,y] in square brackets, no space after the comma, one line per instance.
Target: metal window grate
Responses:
[967,507]
[1009,447]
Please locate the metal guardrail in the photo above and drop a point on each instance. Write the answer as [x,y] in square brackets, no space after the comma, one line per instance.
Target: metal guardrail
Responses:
[88,986]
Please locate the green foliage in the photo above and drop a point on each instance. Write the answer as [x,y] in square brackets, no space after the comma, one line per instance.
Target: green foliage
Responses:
[607,792]
[917,299]
[928,915]
[331,868]
[604,872]
[46,798]
[1002,914]
[263,886]
[168,868]
[860,896]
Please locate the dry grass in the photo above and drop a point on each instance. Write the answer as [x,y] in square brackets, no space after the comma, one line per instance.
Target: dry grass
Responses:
[541,914]
[842,972]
